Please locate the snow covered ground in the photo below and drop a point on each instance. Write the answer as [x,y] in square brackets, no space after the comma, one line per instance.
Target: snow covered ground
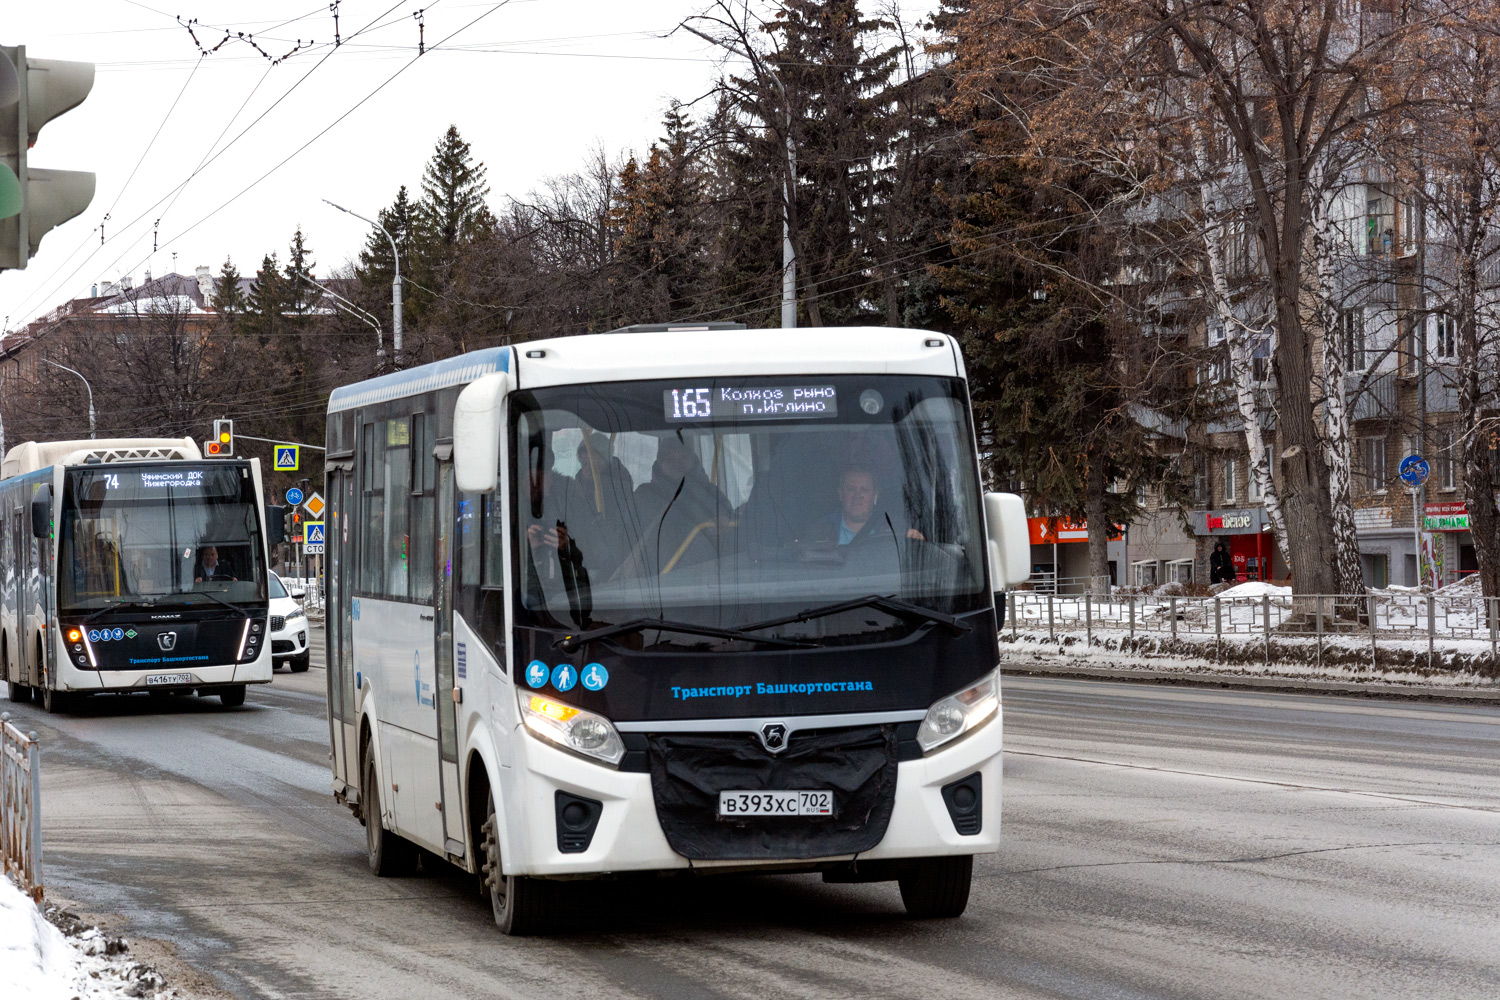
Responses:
[39,962]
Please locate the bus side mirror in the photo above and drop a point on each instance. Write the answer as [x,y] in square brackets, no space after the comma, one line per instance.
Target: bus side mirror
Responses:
[41,513]
[1009,539]
[275,524]
[477,427]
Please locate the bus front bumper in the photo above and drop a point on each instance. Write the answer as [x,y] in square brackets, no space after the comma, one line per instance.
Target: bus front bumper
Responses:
[168,677]
[629,837]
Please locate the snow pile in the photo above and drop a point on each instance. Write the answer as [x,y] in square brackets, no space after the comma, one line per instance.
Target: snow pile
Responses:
[1256,588]
[39,962]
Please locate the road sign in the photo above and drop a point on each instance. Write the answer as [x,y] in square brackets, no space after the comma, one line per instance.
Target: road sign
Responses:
[287,457]
[1414,470]
[294,497]
[314,505]
[314,536]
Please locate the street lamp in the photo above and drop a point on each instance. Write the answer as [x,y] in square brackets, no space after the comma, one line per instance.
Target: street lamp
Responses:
[395,285]
[86,385]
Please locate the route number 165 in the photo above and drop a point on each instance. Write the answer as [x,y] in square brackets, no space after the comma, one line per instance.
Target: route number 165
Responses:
[690,403]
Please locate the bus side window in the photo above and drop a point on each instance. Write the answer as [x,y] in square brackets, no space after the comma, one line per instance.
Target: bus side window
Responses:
[372,510]
[494,542]
[470,522]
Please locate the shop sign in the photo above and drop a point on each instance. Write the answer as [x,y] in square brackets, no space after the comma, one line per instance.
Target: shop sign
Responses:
[1059,530]
[1445,517]
[1246,521]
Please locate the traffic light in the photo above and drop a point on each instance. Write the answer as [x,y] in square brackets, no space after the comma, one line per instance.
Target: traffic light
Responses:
[34,201]
[221,445]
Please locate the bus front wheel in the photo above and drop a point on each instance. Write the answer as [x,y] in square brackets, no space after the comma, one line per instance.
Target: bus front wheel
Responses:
[232,697]
[937,887]
[391,855]
[522,906]
[54,701]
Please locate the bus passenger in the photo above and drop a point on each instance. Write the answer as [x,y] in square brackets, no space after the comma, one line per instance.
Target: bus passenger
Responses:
[555,572]
[681,499]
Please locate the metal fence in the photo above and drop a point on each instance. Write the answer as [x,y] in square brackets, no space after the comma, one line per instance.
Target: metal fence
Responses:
[1408,620]
[21,807]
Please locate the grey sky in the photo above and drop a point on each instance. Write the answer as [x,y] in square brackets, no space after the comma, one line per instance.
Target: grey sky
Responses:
[533,86]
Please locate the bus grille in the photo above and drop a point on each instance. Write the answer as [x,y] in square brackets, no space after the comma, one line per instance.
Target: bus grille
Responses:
[858,764]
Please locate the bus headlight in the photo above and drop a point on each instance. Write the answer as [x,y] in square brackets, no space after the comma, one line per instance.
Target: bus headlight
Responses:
[960,713]
[571,728]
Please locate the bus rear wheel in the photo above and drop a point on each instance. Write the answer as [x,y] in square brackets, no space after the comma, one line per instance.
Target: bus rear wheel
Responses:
[522,906]
[937,887]
[19,693]
[390,855]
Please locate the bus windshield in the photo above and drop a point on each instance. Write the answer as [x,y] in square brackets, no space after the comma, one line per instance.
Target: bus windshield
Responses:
[165,534]
[725,502]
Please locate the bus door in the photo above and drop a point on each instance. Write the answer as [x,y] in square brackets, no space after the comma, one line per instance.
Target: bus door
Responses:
[339,622]
[25,605]
[443,552]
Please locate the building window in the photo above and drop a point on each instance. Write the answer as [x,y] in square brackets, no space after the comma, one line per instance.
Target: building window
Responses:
[1373,450]
[1229,488]
[1444,337]
[1413,345]
[1447,461]
[1351,331]
[1215,332]
[1260,361]
[1200,485]
[1410,224]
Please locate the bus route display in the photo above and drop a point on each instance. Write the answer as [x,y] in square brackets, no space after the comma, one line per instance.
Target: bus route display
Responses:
[750,403]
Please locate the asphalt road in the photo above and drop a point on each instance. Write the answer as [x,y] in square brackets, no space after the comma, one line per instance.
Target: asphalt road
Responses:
[1159,842]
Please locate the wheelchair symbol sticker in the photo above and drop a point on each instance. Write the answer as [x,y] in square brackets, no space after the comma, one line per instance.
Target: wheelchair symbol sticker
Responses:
[536,673]
[564,677]
[595,676]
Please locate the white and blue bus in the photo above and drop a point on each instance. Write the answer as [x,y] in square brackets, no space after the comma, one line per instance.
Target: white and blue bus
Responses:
[131,565]
[670,599]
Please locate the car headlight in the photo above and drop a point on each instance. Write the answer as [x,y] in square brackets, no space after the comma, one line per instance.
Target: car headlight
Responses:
[299,613]
[960,712]
[571,728]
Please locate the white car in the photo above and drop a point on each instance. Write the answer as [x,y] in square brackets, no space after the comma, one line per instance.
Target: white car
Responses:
[288,628]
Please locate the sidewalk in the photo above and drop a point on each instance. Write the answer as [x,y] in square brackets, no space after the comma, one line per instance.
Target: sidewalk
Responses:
[1046,659]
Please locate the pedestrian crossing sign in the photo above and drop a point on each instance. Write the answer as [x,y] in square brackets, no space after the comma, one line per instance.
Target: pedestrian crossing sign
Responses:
[287,457]
[314,536]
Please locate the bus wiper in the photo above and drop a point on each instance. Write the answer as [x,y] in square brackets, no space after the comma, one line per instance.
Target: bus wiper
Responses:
[116,606]
[571,642]
[890,605]
[231,607]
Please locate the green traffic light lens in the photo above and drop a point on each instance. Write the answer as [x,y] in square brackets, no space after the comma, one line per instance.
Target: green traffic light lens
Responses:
[10,192]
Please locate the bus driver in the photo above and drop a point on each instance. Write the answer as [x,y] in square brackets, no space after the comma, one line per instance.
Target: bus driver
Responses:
[858,499]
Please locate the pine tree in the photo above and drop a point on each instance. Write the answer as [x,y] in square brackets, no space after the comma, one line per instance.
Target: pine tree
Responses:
[452,208]
[300,292]
[268,302]
[375,265]
[228,299]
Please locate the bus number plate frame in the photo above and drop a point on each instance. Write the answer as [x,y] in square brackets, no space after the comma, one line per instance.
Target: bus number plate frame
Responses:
[737,803]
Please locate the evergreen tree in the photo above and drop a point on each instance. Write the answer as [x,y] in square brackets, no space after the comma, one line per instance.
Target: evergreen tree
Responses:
[228,299]
[300,293]
[376,269]
[268,302]
[452,209]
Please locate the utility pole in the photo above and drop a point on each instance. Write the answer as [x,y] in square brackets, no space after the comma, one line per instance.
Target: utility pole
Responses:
[395,285]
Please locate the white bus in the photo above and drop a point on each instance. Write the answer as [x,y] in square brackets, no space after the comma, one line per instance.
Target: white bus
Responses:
[670,599]
[131,565]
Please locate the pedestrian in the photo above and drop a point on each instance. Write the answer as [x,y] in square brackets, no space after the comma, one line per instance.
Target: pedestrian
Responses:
[1220,568]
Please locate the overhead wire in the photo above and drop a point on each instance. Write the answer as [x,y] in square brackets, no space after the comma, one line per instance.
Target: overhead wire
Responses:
[27,302]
